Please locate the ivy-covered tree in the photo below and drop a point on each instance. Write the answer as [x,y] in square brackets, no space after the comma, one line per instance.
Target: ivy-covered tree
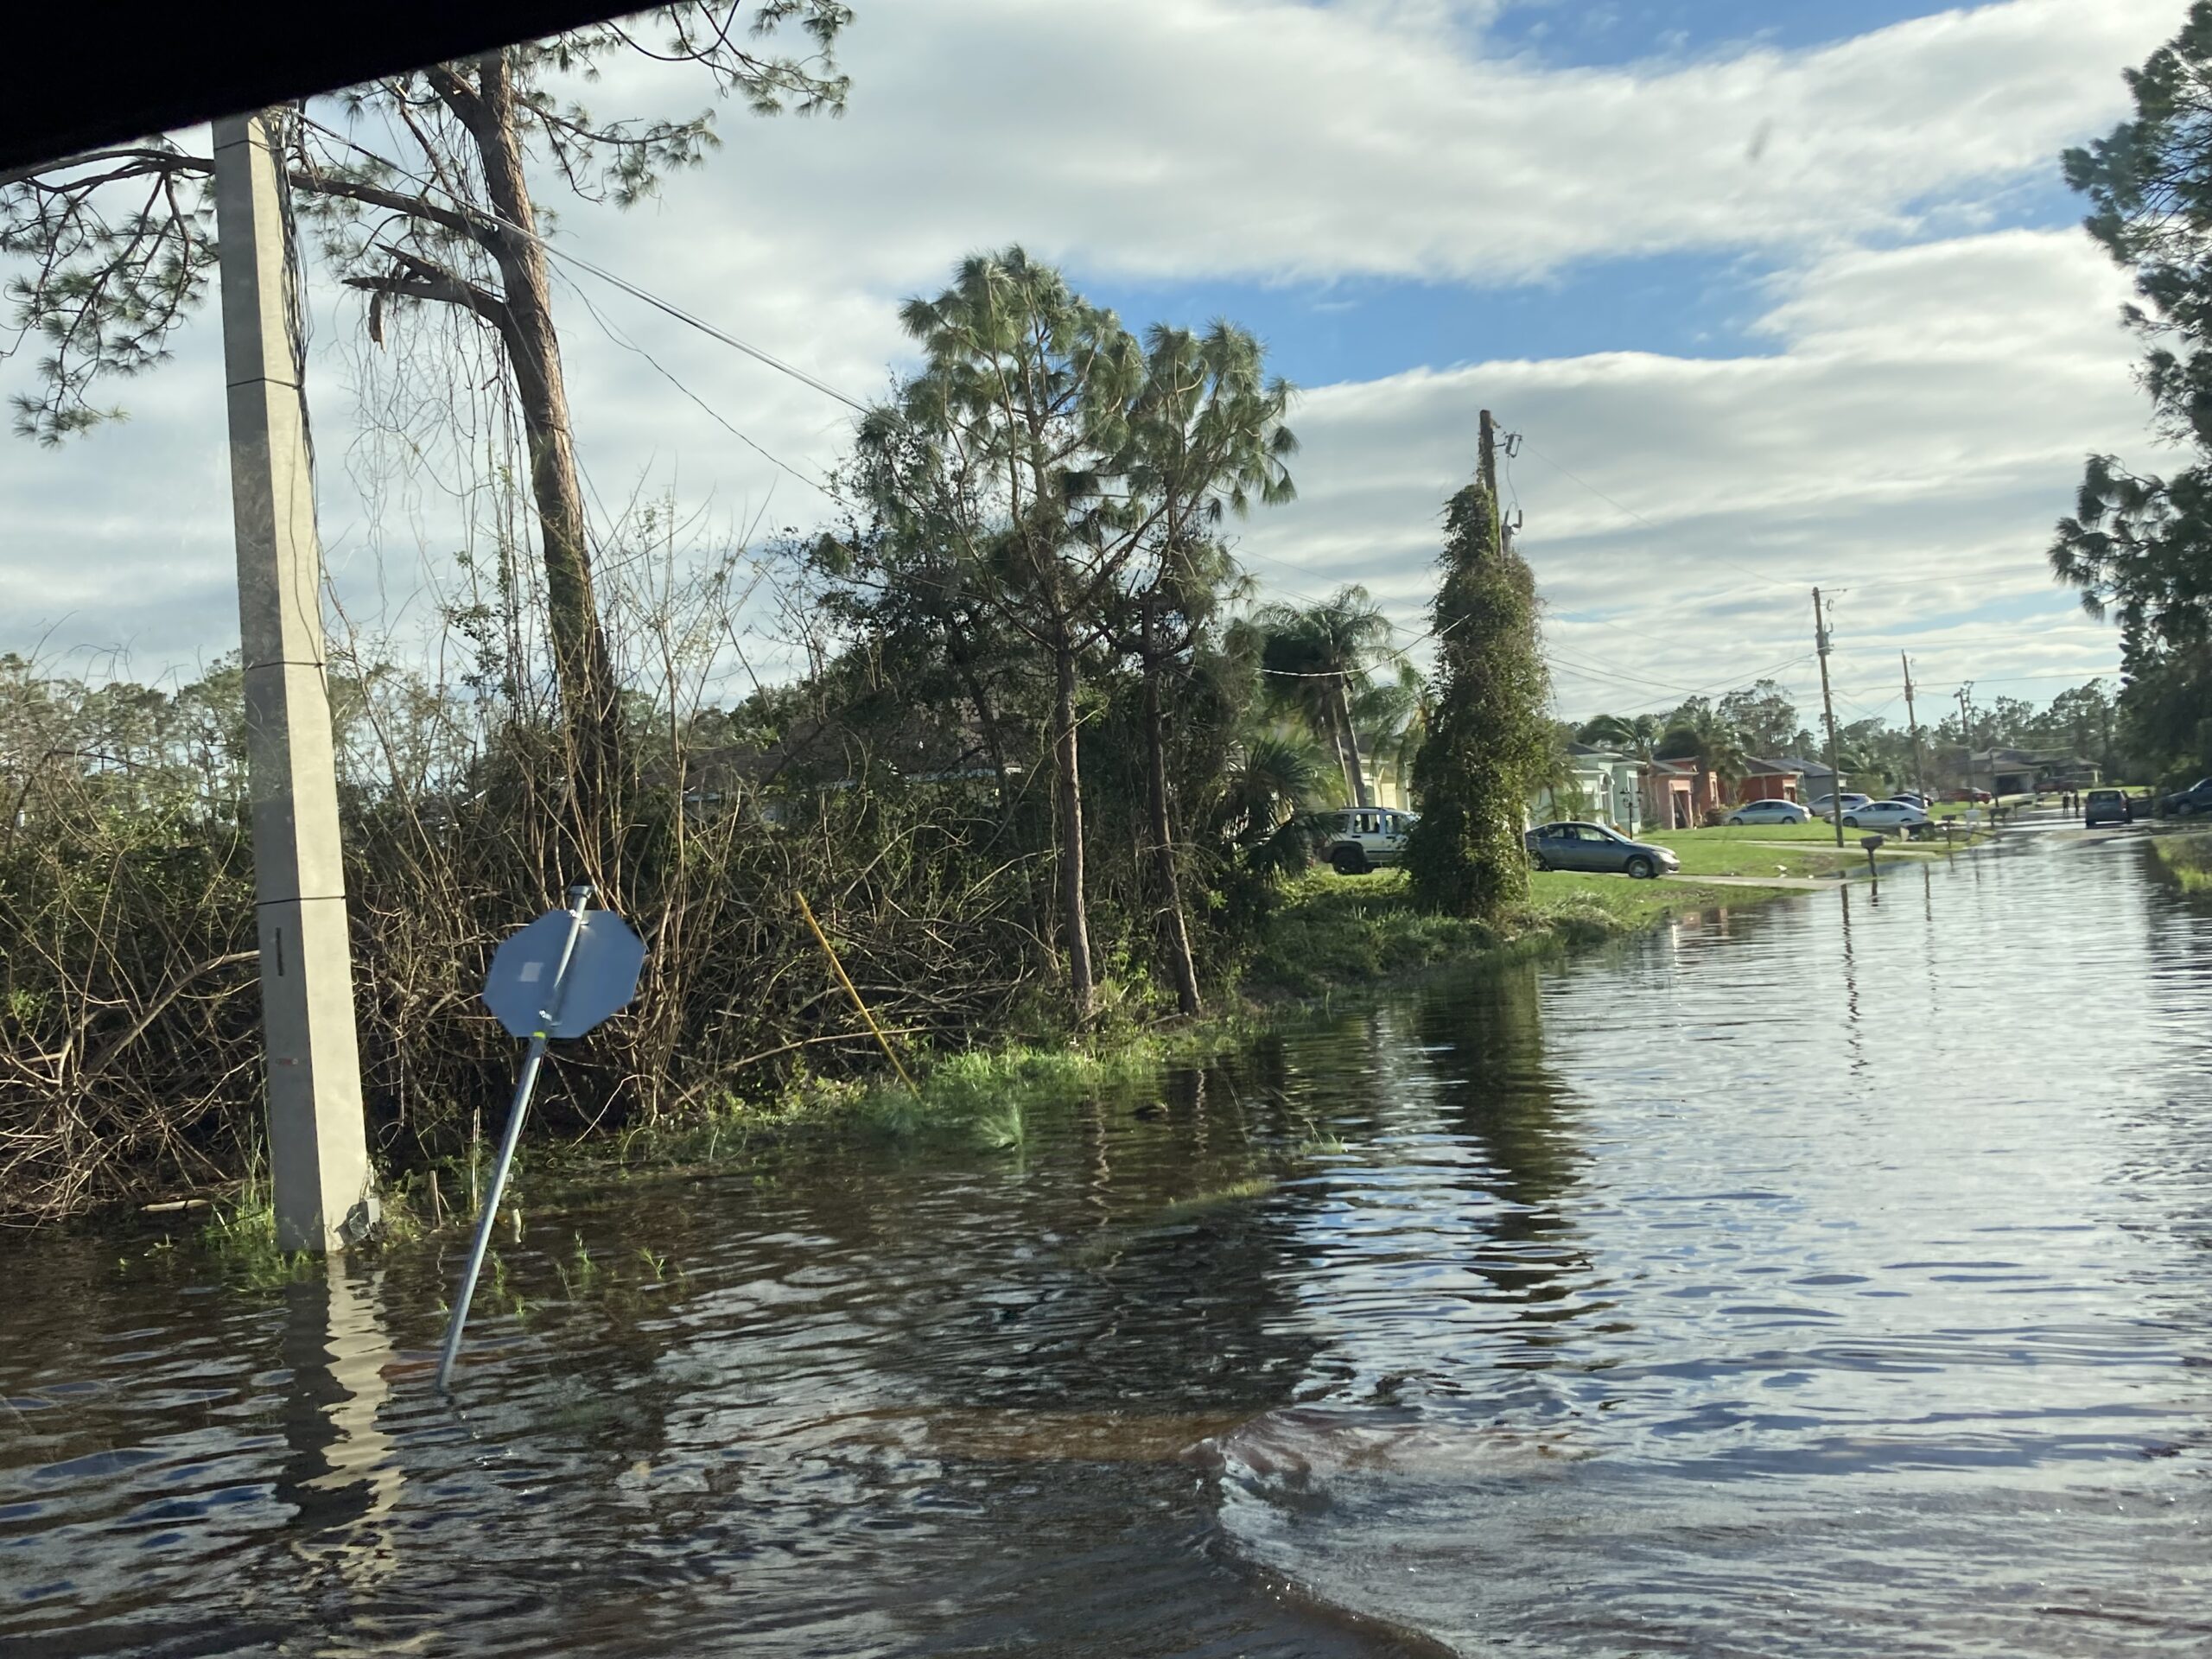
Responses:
[2138,546]
[114,250]
[1488,738]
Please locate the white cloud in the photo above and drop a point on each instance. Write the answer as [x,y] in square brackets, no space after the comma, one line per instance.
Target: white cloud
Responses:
[1175,137]
[1920,411]
[1896,447]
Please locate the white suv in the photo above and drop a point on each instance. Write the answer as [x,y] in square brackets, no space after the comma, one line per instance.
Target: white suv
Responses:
[1363,838]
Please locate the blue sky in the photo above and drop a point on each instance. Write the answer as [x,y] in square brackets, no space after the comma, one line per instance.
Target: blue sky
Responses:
[1777,294]
[1568,34]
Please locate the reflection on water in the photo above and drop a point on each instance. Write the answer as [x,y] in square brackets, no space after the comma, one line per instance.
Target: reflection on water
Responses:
[1823,1279]
[340,1475]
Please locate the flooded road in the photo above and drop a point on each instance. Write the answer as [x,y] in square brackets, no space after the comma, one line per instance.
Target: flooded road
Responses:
[1830,1278]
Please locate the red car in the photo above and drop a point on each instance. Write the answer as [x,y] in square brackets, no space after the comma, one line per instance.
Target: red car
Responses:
[1973,797]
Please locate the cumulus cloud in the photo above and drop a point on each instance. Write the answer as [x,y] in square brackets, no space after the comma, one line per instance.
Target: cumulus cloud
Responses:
[1895,447]
[1919,399]
[1253,138]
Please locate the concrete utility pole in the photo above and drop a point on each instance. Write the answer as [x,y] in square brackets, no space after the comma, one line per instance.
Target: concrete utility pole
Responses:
[318,1151]
[1827,704]
[1912,720]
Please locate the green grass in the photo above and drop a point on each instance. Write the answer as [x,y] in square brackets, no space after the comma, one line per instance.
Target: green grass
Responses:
[982,1099]
[1734,852]
[2188,861]
[1334,933]
[1816,831]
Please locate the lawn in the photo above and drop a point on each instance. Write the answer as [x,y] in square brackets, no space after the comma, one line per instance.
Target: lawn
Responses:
[1790,849]
[1334,933]
[1818,830]
[1747,851]
[1631,904]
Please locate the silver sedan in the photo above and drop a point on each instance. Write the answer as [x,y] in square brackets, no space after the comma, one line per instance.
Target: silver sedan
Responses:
[1770,811]
[1594,847]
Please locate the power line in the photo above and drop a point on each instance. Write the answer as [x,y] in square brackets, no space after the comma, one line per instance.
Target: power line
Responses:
[634,290]
[623,339]
[1759,576]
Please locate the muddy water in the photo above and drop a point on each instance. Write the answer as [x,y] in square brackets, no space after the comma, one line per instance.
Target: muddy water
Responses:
[1830,1279]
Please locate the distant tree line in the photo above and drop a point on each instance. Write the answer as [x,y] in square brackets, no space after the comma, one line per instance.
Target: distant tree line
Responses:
[1760,722]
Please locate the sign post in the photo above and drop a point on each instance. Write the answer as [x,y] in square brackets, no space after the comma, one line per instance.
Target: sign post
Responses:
[557,978]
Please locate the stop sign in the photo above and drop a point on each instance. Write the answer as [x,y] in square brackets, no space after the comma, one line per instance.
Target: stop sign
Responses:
[602,973]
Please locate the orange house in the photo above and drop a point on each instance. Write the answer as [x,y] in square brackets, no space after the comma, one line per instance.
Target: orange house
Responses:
[1677,793]
[1770,780]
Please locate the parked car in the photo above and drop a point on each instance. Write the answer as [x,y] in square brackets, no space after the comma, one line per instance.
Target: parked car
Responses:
[1850,803]
[2107,806]
[1769,812]
[2185,803]
[1885,815]
[1365,838]
[1971,797]
[1911,798]
[1594,847]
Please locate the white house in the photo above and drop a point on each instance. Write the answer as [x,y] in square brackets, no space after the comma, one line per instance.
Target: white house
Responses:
[1602,786]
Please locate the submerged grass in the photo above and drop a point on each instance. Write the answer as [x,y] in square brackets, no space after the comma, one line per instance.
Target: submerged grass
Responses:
[1109,1243]
[2187,861]
[1334,934]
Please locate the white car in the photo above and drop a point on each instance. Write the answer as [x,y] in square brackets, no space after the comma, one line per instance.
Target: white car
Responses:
[1851,803]
[1769,812]
[1885,814]
[1365,838]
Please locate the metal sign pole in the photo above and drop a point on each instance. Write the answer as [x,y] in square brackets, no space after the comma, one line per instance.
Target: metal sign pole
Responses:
[548,1018]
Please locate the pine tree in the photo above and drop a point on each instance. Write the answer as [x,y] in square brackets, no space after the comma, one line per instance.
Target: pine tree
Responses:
[1487,736]
[2138,546]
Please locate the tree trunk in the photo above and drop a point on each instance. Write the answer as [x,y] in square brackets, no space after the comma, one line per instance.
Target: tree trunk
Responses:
[1341,699]
[582,663]
[1075,921]
[1172,922]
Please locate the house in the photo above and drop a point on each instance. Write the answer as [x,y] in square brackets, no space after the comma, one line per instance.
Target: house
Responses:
[1770,780]
[2023,771]
[1815,782]
[1677,794]
[1604,785]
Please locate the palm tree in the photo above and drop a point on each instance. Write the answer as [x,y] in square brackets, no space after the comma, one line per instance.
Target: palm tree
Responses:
[1635,735]
[1390,717]
[1316,662]
[1711,741]
[1257,809]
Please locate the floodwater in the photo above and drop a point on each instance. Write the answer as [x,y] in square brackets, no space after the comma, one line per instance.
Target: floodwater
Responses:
[1829,1279]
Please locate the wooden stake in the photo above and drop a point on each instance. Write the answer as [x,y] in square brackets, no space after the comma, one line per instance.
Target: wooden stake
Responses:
[851,990]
